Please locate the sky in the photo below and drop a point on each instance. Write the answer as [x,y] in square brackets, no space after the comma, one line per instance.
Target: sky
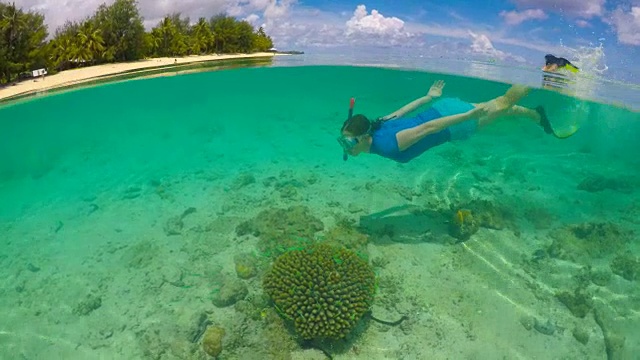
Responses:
[601,34]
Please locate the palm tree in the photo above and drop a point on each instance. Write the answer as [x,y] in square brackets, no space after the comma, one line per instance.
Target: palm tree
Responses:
[109,54]
[90,39]
[168,38]
[261,41]
[12,24]
[245,35]
[225,32]
[201,37]
[164,35]
[64,51]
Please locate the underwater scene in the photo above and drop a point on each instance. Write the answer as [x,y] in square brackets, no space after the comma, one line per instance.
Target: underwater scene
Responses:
[212,214]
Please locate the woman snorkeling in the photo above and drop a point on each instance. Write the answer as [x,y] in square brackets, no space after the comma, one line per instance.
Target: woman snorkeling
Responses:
[402,138]
[558,74]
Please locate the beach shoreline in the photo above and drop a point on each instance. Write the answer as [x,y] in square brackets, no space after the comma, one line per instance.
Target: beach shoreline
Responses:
[79,76]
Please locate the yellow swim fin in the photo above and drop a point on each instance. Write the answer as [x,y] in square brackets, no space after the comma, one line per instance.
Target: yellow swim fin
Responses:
[572,68]
[549,129]
[565,133]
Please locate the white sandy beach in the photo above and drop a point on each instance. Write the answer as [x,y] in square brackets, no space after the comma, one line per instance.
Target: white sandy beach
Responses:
[76,76]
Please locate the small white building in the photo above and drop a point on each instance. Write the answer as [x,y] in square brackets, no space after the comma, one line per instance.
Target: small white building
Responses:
[39,72]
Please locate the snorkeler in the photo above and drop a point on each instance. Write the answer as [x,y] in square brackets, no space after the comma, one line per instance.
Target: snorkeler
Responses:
[559,74]
[553,64]
[402,138]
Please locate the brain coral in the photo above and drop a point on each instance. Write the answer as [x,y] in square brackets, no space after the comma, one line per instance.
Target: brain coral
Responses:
[323,289]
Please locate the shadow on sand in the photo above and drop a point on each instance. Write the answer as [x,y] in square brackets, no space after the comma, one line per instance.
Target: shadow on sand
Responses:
[408,224]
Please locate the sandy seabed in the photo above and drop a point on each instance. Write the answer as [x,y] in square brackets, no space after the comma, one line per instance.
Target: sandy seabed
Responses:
[130,272]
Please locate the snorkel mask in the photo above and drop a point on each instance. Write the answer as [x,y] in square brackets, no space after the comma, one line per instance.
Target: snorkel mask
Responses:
[348,143]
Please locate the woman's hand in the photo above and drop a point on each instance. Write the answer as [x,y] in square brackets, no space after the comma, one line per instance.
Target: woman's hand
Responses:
[436,89]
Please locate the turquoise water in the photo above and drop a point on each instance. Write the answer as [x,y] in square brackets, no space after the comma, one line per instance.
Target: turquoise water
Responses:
[122,203]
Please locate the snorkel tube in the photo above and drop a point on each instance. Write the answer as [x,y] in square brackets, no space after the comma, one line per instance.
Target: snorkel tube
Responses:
[352,102]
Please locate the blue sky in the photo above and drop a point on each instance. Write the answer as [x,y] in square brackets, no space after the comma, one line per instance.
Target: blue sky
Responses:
[515,31]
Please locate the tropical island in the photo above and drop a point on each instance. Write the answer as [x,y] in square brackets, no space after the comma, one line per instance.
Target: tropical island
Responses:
[114,36]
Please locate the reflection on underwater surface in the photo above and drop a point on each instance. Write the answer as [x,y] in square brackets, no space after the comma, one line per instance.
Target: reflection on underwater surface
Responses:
[139,220]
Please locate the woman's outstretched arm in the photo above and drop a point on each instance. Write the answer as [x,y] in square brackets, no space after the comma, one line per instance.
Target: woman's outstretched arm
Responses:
[434,92]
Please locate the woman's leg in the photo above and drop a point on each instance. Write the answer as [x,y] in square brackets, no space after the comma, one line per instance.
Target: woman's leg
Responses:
[521,111]
[511,97]
[465,129]
[514,111]
[536,115]
[505,105]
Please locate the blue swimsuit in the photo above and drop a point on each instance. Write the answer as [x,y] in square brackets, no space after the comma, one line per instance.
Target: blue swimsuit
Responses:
[384,139]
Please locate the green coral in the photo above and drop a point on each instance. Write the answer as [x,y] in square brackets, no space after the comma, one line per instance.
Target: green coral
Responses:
[324,290]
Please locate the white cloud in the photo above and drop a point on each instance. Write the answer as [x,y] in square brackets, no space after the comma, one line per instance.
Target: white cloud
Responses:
[252,19]
[583,23]
[58,11]
[274,9]
[456,16]
[515,17]
[362,23]
[580,8]
[627,24]
[538,46]
[438,30]
[497,37]
[482,45]
[305,27]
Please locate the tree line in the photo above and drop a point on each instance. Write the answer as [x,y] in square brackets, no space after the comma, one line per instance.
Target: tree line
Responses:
[114,33]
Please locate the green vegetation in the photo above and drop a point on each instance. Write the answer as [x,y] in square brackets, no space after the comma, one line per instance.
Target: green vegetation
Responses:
[114,33]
